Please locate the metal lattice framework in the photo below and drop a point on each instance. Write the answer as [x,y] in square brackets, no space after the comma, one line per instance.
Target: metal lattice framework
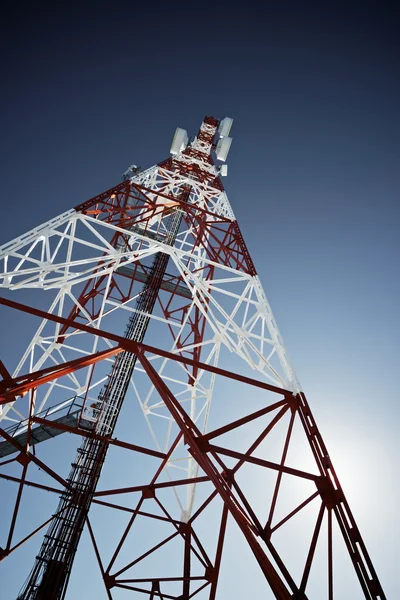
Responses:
[95,265]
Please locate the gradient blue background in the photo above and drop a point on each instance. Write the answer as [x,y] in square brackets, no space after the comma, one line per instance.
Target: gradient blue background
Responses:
[313,88]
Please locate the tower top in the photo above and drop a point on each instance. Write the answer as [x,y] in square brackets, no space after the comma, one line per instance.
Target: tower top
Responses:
[204,143]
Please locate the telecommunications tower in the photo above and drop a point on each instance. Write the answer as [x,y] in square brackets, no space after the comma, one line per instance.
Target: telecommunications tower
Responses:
[146,305]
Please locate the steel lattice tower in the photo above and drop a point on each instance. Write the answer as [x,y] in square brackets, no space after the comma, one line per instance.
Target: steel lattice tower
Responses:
[161,256]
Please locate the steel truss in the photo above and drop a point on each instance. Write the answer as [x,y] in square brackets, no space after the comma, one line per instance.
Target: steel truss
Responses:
[94,264]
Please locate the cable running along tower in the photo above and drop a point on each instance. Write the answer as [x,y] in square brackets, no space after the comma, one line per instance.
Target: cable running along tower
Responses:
[158,475]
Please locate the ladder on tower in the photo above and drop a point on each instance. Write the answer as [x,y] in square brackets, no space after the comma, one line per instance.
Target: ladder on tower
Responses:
[51,570]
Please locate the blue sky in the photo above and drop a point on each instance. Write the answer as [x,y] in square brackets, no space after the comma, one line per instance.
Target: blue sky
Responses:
[313,178]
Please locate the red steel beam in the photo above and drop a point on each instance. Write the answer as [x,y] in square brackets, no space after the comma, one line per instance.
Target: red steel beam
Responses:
[261,462]
[239,422]
[102,438]
[135,347]
[153,486]
[20,385]
[29,483]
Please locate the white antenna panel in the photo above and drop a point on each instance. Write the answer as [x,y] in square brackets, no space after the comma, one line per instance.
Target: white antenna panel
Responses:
[180,141]
[222,148]
[225,126]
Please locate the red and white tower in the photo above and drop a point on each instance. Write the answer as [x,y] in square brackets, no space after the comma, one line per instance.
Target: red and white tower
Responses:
[148,306]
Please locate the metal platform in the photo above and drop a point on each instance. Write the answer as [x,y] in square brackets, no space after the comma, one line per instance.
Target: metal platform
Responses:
[167,283]
[66,413]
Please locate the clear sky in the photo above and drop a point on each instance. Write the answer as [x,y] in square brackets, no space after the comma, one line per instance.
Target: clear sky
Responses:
[313,88]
